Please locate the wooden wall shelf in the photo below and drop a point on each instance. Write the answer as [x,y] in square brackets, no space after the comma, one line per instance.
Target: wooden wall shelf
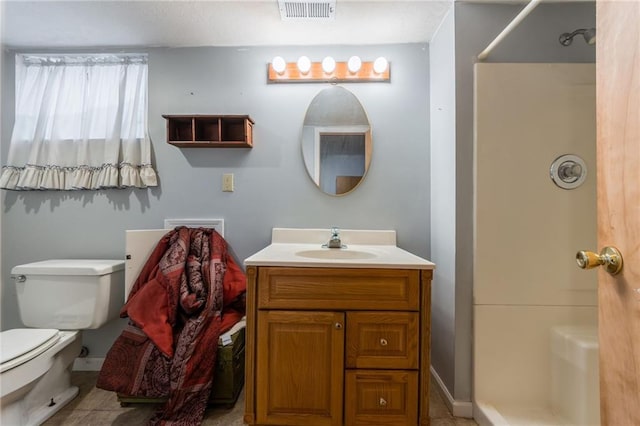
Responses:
[210,131]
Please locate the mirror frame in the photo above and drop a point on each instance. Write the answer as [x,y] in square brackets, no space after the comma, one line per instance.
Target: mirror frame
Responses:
[333,129]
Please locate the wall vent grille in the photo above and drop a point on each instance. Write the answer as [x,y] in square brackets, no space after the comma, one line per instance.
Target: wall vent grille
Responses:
[307,10]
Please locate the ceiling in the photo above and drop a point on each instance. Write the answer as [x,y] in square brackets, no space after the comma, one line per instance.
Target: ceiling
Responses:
[149,23]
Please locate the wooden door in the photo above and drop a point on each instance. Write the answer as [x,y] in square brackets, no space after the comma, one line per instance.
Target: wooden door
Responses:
[618,175]
[300,368]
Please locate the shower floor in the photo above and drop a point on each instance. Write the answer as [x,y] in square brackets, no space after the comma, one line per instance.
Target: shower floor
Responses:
[503,415]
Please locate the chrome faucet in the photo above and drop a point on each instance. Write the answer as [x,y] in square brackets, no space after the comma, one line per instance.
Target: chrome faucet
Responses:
[334,241]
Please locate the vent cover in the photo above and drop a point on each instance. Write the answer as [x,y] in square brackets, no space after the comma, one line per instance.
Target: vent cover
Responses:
[307,10]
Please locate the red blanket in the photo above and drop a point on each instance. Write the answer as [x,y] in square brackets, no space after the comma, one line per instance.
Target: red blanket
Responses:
[188,293]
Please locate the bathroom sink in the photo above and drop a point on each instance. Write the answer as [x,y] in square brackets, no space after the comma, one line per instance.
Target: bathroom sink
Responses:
[292,247]
[335,254]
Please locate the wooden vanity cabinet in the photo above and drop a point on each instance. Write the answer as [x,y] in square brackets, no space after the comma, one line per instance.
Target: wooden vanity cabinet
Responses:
[337,346]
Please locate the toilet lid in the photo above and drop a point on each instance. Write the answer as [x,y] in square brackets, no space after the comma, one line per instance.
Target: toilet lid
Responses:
[22,344]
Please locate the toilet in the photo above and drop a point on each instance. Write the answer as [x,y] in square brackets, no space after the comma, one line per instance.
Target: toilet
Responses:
[57,299]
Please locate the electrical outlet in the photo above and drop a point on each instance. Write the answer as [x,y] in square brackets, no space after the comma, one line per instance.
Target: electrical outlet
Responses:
[227,182]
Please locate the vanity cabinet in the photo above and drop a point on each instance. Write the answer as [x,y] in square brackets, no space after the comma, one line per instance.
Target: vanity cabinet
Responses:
[210,131]
[337,346]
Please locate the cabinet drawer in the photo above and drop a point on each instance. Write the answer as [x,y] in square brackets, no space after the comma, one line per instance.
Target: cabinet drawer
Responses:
[382,340]
[323,288]
[375,397]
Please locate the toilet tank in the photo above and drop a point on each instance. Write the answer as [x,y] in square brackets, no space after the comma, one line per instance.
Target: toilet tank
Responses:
[69,294]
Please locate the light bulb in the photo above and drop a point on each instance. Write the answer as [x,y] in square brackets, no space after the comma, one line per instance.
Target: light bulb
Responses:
[354,64]
[304,64]
[278,64]
[328,64]
[380,65]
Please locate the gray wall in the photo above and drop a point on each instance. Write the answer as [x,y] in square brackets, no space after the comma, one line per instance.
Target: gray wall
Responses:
[443,199]
[272,188]
[534,40]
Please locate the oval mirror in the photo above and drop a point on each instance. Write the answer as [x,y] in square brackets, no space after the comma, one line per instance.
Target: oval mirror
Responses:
[336,141]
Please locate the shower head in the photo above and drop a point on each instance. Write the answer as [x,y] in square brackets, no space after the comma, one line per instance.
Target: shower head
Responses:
[588,34]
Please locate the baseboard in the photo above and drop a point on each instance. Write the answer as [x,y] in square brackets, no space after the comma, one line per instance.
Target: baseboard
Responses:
[457,408]
[87,364]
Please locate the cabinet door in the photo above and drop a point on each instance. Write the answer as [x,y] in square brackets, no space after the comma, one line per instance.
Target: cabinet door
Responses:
[300,364]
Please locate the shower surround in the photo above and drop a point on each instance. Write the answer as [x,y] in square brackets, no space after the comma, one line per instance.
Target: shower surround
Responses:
[528,230]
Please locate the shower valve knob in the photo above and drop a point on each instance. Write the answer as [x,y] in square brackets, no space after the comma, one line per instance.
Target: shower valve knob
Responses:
[609,257]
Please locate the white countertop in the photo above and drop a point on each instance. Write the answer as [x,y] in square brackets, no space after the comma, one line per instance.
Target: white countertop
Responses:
[365,249]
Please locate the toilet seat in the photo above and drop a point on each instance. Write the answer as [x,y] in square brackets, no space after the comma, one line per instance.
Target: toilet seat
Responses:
[20,345]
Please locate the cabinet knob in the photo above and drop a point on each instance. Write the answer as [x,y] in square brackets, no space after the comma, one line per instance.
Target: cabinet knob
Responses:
[338,326]
[383,342]
[382,402]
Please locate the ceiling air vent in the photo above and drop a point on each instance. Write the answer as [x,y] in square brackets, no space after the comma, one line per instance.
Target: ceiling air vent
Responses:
[307,10]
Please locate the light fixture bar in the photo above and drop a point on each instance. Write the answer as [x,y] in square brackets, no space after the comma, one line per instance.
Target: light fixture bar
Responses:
[316,74]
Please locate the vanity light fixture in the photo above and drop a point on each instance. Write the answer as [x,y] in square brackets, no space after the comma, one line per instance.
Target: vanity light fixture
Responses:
[328,71]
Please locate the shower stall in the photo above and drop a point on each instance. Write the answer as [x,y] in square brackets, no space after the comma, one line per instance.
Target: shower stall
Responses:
[535,312]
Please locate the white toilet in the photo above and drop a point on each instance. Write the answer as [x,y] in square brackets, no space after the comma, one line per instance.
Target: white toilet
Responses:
[58,298]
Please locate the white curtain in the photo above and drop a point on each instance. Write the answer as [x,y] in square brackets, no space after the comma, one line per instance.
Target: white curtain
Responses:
[80,123]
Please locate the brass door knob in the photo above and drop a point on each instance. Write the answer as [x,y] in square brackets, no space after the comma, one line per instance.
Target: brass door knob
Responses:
[610,257]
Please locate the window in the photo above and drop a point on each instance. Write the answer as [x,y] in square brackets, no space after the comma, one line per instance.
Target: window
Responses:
[80,123]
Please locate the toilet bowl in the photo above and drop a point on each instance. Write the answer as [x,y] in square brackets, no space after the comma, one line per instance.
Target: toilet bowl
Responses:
[58,298]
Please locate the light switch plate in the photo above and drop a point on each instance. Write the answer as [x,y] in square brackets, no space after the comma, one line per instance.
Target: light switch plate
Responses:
[227,182]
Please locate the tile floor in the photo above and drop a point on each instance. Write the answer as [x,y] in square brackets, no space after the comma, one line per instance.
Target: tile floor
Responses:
[96,407]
